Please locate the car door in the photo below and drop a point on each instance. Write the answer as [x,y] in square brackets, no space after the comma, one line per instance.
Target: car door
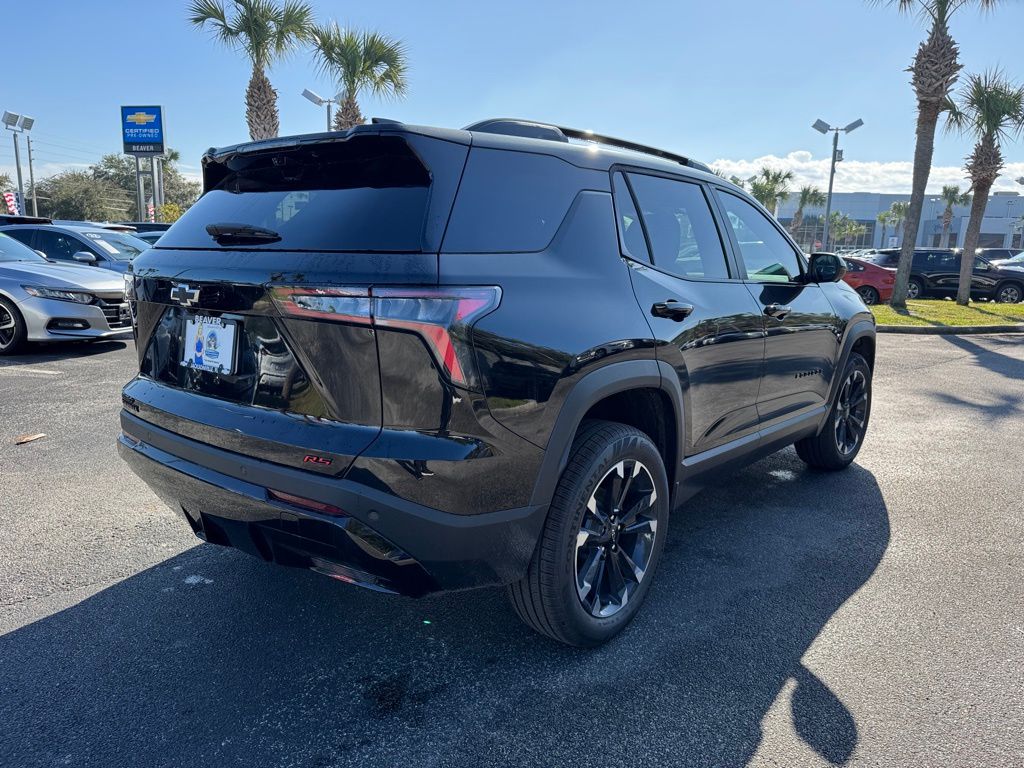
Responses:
[705,323]
[984,278]
[802,330]
[941,272]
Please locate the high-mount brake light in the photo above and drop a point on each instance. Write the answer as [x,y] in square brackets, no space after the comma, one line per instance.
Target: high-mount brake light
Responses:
[440,316]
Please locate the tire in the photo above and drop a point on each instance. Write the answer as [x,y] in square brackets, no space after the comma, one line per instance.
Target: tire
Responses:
[915,289]
[555,597]
[834,447]
[12,328]
[868,295]
[1009,293]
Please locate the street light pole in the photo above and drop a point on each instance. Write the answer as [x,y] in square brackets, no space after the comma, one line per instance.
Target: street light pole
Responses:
[831,181]
[19,124]
[822,127]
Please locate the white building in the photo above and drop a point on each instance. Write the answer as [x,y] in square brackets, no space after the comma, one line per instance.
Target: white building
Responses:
[1001,227]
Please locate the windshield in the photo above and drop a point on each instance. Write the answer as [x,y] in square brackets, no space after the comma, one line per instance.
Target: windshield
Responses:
[1016,261]
[118,246]
[14,250]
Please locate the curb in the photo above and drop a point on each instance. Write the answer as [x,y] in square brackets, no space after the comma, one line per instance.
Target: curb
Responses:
[949,330]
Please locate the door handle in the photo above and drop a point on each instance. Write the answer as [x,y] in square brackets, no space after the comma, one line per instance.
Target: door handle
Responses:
[778,311]
[672,309]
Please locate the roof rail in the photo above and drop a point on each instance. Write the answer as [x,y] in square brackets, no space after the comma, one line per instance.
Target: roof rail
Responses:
[532,129]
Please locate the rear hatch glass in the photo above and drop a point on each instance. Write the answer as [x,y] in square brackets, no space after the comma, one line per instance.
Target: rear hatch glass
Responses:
[368,193]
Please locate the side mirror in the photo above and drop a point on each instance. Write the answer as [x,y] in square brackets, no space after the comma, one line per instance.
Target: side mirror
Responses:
[85,257]
[825,268]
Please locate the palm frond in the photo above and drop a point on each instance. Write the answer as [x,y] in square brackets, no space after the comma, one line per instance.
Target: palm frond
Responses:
[361,61]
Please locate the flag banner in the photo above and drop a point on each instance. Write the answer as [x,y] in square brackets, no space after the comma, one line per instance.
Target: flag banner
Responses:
[12,203]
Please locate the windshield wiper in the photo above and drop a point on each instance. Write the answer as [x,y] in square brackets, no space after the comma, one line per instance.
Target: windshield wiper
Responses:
[241,234]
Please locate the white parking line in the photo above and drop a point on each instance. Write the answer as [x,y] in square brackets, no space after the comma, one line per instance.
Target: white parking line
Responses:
[22,370]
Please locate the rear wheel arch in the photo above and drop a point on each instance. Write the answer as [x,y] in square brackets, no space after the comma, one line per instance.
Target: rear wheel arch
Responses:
[636,393]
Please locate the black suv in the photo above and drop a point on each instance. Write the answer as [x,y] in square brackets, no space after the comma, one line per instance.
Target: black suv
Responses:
[935,272]
[419,359]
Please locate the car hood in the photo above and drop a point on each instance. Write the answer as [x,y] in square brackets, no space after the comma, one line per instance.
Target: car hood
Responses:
[50,275]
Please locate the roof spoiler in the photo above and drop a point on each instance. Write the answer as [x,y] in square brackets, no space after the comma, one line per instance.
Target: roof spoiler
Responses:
[534,130]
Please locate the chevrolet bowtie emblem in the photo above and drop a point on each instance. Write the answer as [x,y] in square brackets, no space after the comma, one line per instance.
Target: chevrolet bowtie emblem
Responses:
[141,118]
[183,293]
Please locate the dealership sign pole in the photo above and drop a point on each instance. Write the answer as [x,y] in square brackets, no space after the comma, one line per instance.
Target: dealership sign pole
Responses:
[142,133]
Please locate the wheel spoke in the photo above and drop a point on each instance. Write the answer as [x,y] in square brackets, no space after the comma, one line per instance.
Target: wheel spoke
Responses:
[586,583]
[616,581]
[642,525]
[6,321]
[593,509]
[632,569]
[620,500]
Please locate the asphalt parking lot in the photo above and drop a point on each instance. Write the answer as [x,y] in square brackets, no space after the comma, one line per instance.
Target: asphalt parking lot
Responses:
[874,617]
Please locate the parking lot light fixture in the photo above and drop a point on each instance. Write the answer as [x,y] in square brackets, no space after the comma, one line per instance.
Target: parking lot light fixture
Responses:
[16,124]
[823,128]
[319,101]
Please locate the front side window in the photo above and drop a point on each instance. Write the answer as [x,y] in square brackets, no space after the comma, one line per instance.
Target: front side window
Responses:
[680,226]
[766,253]
[60,247]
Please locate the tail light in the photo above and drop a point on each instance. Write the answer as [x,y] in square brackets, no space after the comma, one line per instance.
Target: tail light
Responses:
[440,316]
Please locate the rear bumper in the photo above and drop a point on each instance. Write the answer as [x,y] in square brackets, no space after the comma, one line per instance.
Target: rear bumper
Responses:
[374,539]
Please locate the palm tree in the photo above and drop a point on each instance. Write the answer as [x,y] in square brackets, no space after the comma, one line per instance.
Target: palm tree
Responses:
[951,196]
[933,74]
[810,197]
[990,109]
[265,32]
[771,187]
[898,214]
[359,61]
[885,220]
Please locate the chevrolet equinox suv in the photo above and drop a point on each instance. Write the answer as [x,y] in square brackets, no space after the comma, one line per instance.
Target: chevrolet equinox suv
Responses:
[419,359]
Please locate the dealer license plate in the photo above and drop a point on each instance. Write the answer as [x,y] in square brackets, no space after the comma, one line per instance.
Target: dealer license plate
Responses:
[210,344]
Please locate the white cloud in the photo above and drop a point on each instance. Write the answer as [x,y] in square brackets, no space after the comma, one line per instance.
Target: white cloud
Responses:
[860,175]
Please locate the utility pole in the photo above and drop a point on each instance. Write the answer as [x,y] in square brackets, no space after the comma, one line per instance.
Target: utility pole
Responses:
[32,177]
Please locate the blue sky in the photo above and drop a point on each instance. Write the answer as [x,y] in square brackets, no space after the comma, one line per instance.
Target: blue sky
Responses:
[733,82]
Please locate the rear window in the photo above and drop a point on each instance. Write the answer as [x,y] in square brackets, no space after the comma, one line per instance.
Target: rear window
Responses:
[514,201]
[369,193]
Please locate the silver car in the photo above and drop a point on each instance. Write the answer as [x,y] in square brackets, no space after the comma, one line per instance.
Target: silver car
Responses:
[44,301]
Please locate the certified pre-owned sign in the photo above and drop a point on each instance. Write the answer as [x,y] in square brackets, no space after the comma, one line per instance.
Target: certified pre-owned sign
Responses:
[142,130]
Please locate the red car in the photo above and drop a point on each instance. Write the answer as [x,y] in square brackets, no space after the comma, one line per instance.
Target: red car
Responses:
[873,283]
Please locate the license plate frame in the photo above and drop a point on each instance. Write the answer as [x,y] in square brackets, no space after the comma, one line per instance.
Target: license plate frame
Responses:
[210,344]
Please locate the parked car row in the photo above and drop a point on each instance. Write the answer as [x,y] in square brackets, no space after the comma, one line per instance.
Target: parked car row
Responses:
[43,300]
[935,273]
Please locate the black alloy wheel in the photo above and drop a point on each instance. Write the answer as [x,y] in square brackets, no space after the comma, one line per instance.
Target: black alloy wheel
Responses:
[851,413]
[603,537]
[616,538]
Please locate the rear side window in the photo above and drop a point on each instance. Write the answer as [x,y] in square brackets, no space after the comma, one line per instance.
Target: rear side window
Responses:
[631,231]
[369,193]
[680,226]
[512,201]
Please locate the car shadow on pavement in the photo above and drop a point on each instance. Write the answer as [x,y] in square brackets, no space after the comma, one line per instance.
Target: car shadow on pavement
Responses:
[62,350]
[215,658]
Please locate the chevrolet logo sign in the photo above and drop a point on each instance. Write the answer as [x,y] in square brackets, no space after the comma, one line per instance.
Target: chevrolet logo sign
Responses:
[185,294]
[141,118]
